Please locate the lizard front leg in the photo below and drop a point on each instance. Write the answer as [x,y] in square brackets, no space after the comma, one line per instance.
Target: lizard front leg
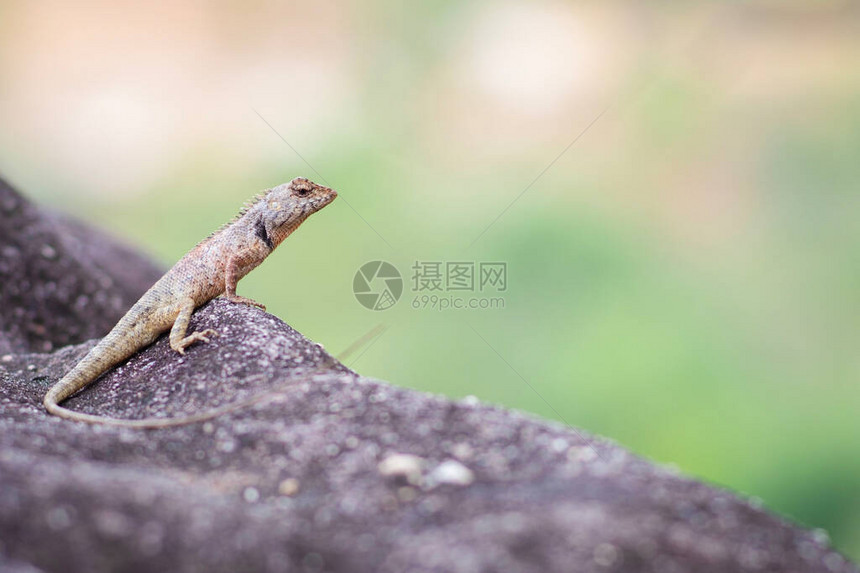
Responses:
[231,277]
[178,339]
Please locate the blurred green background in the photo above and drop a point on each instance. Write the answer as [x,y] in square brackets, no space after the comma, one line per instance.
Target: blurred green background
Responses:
[684,279]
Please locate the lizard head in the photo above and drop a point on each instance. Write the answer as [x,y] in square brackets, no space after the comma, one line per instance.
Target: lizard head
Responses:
[285,207]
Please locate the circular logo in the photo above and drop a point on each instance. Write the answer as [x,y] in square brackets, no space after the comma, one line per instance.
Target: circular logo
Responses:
[377,285]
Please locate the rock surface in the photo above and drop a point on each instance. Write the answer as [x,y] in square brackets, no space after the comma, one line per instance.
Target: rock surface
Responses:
[61,282]
[333,472]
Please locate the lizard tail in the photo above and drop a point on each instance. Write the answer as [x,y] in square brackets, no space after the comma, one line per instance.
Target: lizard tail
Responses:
[104,355]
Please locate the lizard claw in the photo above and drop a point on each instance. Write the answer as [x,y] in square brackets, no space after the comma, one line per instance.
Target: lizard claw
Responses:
[242,300]
[201,336]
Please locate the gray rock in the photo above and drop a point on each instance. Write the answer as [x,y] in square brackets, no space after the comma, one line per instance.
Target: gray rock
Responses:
[294,483]
[61,282]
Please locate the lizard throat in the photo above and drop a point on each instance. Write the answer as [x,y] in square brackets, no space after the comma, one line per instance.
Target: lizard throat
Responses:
[263,234]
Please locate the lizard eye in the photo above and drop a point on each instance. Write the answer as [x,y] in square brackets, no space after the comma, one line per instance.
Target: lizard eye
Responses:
[303,192]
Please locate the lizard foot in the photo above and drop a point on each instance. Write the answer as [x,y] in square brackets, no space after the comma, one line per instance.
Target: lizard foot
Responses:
[202,336]
[242,300]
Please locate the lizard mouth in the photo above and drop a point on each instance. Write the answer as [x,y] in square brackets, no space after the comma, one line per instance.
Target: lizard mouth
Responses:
[328,198]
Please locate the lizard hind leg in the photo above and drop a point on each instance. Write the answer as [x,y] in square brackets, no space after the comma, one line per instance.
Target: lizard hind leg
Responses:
[179,337]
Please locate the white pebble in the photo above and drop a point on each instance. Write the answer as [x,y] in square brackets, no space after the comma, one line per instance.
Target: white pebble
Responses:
[402,465]
[452,472]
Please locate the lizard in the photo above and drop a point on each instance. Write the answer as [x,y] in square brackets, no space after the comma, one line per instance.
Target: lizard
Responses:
[212,268]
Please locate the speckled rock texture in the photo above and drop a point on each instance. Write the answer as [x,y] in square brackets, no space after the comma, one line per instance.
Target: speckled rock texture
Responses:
[334,472]
[61,282]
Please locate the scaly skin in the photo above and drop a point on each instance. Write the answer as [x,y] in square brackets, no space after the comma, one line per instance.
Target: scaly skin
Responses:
[211,269]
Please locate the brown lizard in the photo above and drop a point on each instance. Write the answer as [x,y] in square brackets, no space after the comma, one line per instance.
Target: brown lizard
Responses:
[210,269]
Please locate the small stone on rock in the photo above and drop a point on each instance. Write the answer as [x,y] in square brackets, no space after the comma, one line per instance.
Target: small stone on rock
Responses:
[452,472]
[289,487]
[48,252]
[402,465]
